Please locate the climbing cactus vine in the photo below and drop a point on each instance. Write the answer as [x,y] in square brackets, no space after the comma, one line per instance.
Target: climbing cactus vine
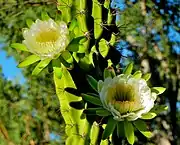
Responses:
[84,39]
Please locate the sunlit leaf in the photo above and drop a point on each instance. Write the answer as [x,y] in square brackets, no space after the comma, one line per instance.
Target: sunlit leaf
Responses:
[29,60]
[103,47]
[67,56]
[56,64]
[149,115]
[104,142]
[57,72]
[75,44]
[97,15]
[137,74]
[40,66]
[94,134]
[158,90]
[128,69]
[19,46]
[73,24]
[146,76]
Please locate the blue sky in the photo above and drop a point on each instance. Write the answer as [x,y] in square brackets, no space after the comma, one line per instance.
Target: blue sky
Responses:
[9,68]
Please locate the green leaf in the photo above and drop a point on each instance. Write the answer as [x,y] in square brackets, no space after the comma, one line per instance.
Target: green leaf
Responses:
[129,131]
[92,99]
[65,63]
[75,44]
[159,108]
[137,75]
[44,16]
[67,56]
[28,61]
[29,22]
[77,104]
[109,72]
[103,112]
[158,90]
[107,4]
[146,76]
[141,126]
[149,115]
[56,64]
[97,15]
[91,111]
[66,9]
[73,24]
[19,46]
[57,72]
[94,133]
[128,69]
[103,48]
[92,82]
[71,116]
[120,129]
[104,142]
[40,66]
[94,95]
[113,39]
[111,124]
[100,85]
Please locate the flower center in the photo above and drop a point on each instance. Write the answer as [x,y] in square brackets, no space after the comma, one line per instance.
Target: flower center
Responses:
[47,36]
[124,99]
[124,92]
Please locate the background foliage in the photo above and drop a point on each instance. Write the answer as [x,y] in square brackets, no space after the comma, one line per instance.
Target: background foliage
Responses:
[147,35]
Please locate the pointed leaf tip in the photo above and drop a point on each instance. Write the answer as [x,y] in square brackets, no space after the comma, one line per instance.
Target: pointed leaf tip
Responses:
[109,128]
[28,61]
[149,115]
[137,74]
[129,131]
[141,126]
[158,90]
[92,82]
[146,76]
[128,69]
[19,46]
[40,66]
[92,99]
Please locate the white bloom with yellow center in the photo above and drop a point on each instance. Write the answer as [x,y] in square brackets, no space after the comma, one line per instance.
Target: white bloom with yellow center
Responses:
[46,38]
[126,97]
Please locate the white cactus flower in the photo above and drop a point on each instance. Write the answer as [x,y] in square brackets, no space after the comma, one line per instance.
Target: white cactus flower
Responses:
[126,97]
[46,38]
